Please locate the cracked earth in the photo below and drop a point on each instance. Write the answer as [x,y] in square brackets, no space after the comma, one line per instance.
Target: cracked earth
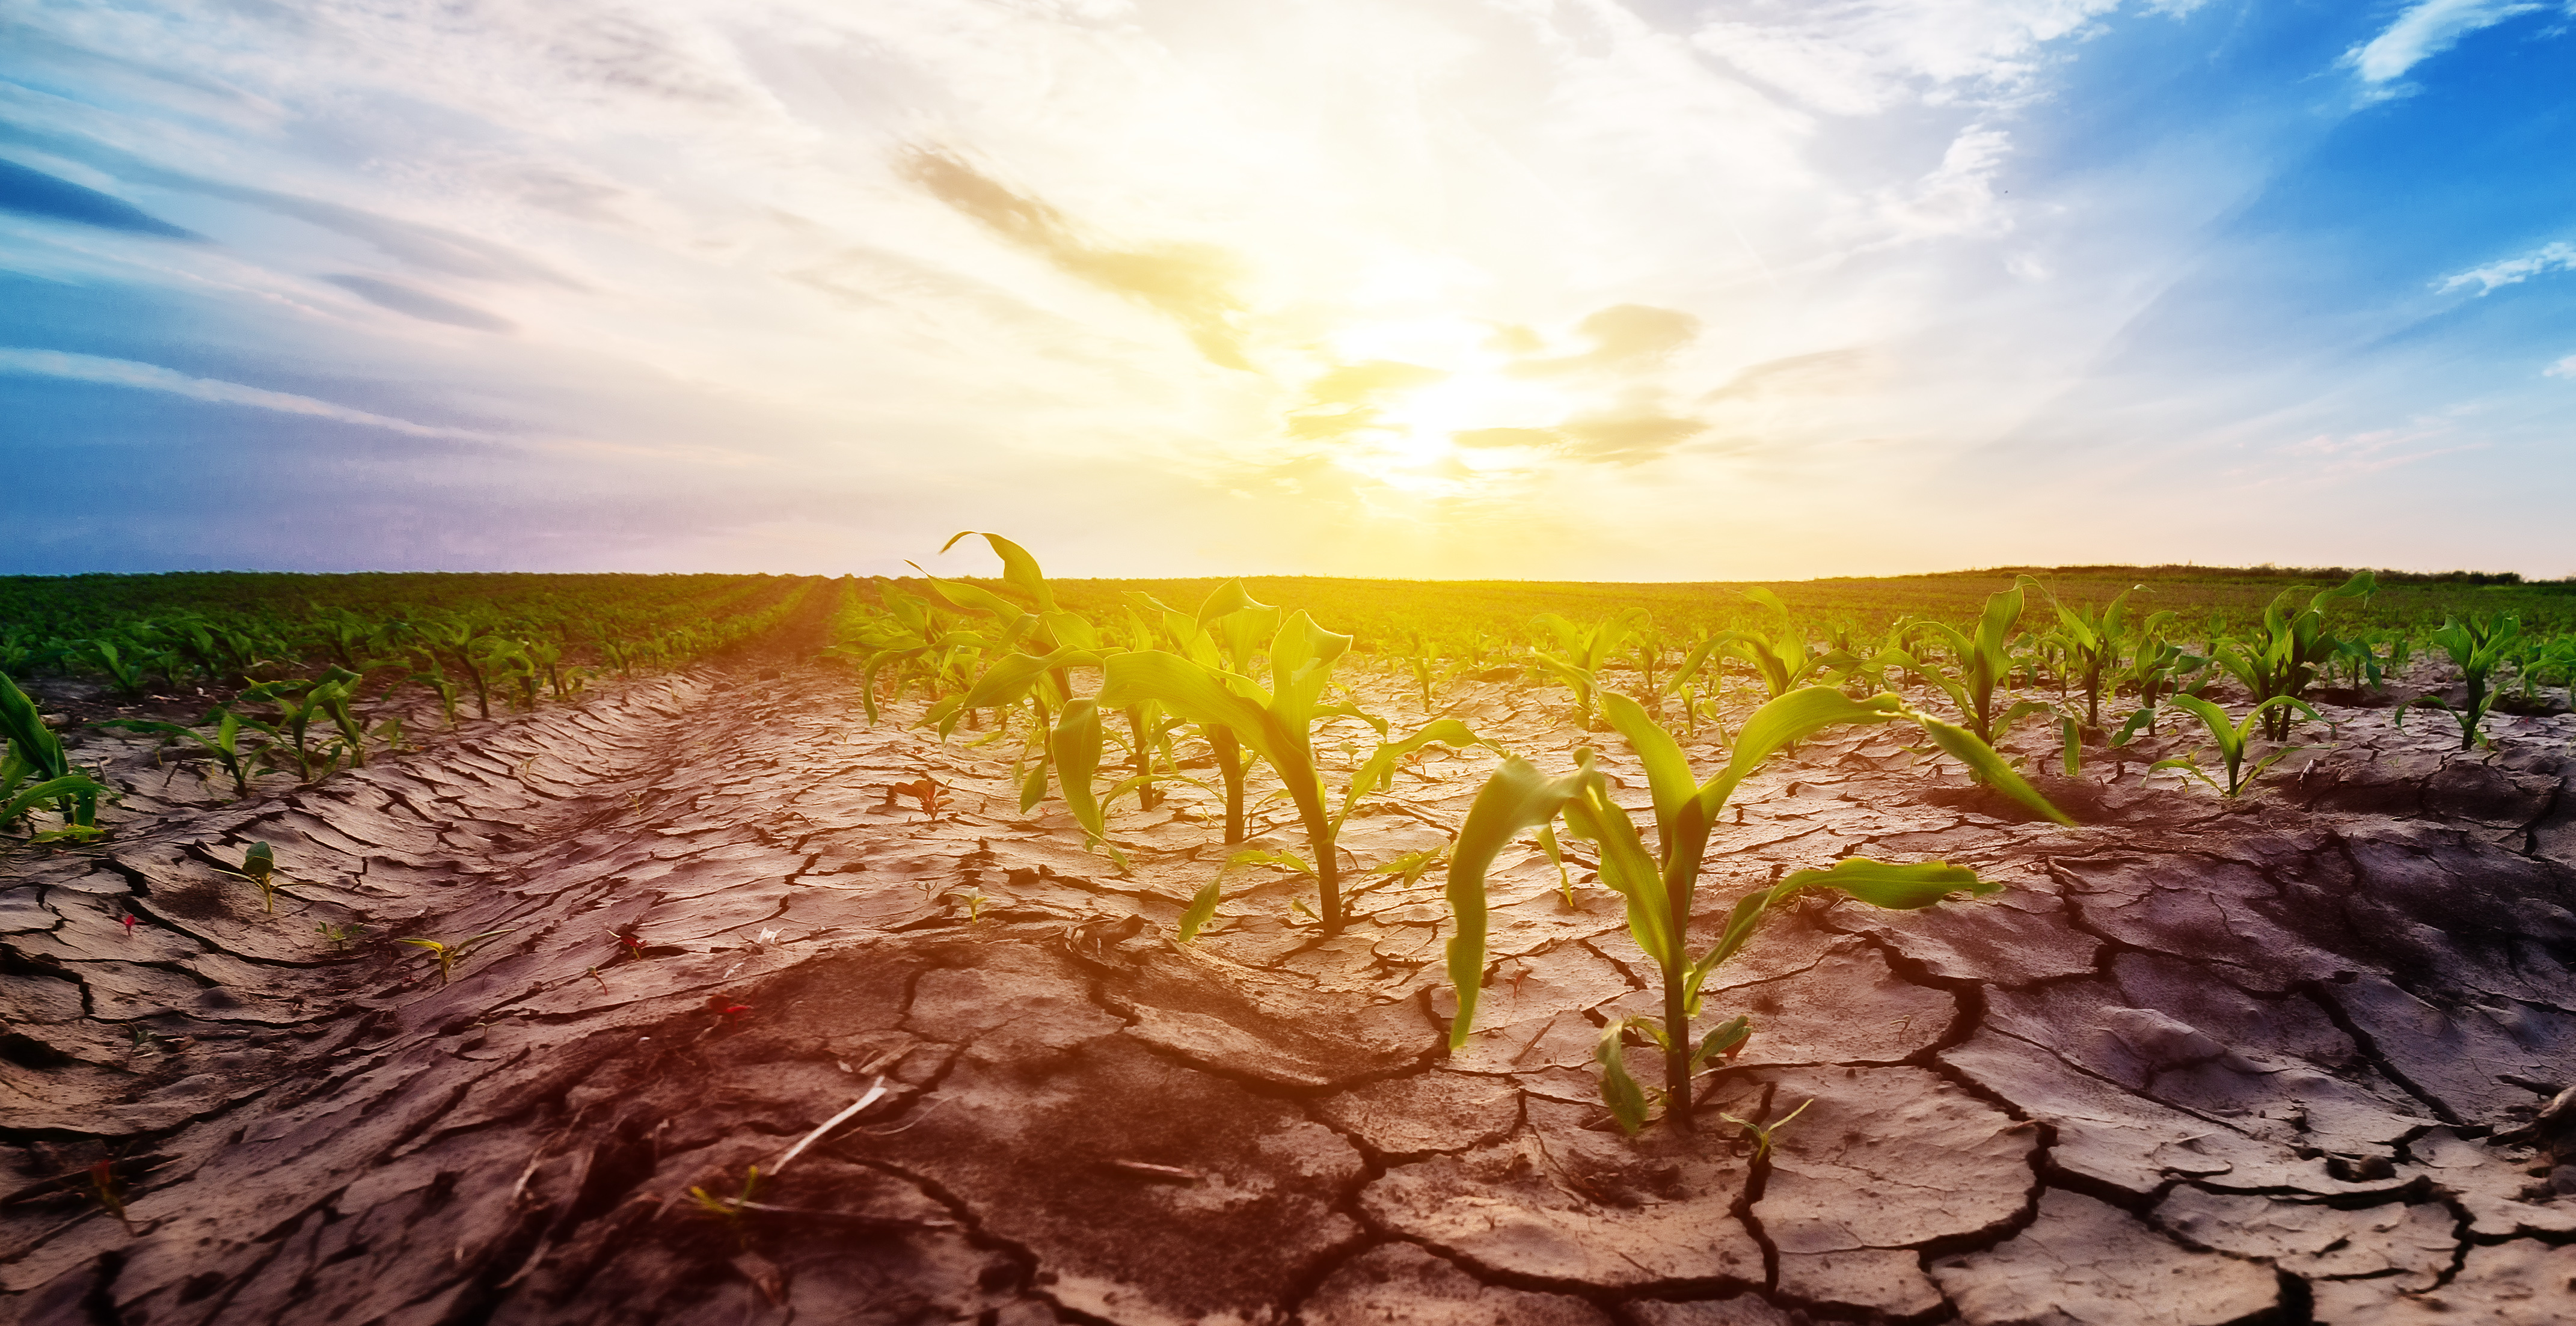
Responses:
[2202,1062]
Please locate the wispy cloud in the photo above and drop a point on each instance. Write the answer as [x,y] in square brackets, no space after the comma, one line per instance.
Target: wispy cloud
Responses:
[153,377]
[2425,31]
[1864,57]
[1624,337]
[420,303]
[2557,257]
[31,192]
[2564,368]
[1192,284]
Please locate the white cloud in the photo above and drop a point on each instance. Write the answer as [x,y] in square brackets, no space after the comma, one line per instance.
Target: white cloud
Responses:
[2425,31]
[153,377]
[2541,261]
[1862,57]
[2564,368]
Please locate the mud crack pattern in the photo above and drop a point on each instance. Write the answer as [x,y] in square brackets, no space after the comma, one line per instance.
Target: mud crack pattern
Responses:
[2203,1063]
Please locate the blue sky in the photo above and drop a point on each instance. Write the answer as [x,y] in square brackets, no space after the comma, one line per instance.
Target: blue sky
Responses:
[1523,288]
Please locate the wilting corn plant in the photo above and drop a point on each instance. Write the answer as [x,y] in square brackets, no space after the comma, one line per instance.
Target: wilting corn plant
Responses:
[1659,886]
[1277,724]
[2234,739]
[2477,646]
[1583,653]
[37,773]
[2284,653]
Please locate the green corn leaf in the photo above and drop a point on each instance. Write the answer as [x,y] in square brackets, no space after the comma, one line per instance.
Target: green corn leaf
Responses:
[1227,599]
[1793,717]
[1019,569]
[1626,867]
[1379,772]
[1514,798]
[1990,769]
[1202,908]
[48,792]
[1895,887]
[1556,858]
[1668,773]
[1722,1039]
[2070,737]
[1074,748]
[1033,787]
[2017,711]
[1619,1091]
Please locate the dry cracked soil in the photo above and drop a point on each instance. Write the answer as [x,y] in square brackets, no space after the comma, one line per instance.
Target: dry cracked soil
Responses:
[2275,1060]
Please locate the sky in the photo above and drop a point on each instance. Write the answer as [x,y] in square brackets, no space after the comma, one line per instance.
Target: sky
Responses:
[1531,289]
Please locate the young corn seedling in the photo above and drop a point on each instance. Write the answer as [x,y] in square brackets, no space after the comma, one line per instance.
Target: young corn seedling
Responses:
[447,955]
[128,677]
[1762,1134]
[259,866]
[2233,738]
[1781,659]
[2284,653]
[2093,646]
[2477,647]
[1986,661]
[1228,633]
[225,745]
[1659,885]
[338,936]
[435,678]
[1583,654]
[1277,724]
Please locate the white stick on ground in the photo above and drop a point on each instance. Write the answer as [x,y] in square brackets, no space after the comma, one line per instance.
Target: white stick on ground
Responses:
[875,1092]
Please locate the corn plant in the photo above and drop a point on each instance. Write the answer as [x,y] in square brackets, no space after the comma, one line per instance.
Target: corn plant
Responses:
[1229,633]
[1659,886]
[1583,653]
[2093,646]
[37,773]
[127,677]
[299,705]
[225,745]
[1781,658]
[2233,737]
[448,954]
[1277,724]
[259,866]
[1987,661]
[2155,667]
[435,678]
[2282,654]
[2477,646]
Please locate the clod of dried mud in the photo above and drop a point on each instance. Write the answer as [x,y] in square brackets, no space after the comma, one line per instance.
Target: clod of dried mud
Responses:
[2204,1062]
